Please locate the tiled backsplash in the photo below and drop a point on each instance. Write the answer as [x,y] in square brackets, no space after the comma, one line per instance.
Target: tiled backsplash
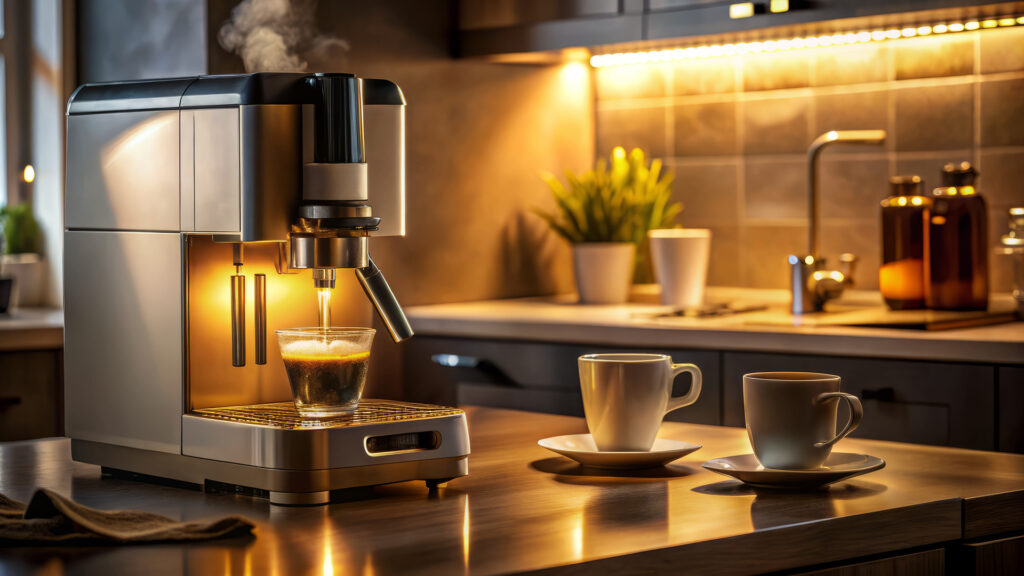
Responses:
[736,132]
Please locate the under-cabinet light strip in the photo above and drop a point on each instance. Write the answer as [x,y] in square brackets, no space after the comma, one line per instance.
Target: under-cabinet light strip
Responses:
[782,45]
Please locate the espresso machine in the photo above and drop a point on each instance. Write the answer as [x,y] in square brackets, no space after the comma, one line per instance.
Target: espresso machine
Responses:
[202,214]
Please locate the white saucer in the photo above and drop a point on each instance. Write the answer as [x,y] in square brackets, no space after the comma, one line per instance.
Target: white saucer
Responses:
[838,466]
[581,448]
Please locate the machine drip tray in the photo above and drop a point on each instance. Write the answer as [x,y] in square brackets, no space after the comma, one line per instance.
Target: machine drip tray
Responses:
[283,415]
[275,436]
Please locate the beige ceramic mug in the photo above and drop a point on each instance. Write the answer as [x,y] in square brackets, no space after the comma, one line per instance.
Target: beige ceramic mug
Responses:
[626,396]
[791,417]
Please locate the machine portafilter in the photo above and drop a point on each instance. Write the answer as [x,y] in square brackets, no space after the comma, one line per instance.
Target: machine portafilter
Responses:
[335,216]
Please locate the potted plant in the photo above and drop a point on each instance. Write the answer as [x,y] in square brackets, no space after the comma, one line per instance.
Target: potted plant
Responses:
[21,260]
[605,214]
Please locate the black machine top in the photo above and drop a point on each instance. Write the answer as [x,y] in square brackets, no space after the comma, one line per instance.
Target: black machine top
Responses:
[217,91]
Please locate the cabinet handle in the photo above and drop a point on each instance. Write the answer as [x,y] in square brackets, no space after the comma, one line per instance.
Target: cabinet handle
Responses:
[886,394]
[485,366]
[8,401]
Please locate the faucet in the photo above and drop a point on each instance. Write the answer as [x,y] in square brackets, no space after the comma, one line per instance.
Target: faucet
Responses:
[812,283]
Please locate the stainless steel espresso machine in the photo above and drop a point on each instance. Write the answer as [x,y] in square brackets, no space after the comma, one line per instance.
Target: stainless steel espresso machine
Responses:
[202,214]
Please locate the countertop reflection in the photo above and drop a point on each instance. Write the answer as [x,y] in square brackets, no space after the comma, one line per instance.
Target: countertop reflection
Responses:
[523,509]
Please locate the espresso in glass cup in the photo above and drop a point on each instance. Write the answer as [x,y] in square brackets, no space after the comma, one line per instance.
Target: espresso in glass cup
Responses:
[326,368]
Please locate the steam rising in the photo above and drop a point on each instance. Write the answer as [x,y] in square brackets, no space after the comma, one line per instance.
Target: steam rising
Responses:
[275,35]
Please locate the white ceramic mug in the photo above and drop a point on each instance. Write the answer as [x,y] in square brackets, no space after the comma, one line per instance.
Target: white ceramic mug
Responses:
[626,396]
[680,257]
[791,417]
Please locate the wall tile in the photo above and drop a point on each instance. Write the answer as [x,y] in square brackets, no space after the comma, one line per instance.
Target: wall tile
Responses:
[859,237]
[1002,113]
[776,71]
[929,167]
[934,118]
[1002,180]
[1002,50]
[857,111]
[705,129]
[621,82]
[765,249]
[852,188]
[934,56]
[708,192]
[712,76]
[639,127]
[725,267]
[776,125]
[775,189]
[851,64]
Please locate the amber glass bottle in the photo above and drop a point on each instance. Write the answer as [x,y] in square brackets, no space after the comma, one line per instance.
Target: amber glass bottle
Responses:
[905,213]
[958,237]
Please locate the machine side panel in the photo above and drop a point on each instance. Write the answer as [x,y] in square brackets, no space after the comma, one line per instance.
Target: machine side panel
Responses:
[122,171]
[188,171]
[384,131]
[123,338]
[271,177]
[217,178]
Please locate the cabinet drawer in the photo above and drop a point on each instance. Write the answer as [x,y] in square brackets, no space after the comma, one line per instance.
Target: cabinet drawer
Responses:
[30,395]
[534,376]
[905,401]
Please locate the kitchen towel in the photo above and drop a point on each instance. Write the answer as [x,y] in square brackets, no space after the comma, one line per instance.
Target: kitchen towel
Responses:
[51,518]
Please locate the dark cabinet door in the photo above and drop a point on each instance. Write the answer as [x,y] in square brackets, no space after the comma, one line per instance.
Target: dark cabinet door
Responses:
[905,401]
[539,377]
[1011,409]
[31,397]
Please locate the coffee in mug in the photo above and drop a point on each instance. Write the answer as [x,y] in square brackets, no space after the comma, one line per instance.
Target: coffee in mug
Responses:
[326,368]
[626,396]
[791,417]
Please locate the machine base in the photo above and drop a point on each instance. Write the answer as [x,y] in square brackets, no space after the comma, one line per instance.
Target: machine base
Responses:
[284,487]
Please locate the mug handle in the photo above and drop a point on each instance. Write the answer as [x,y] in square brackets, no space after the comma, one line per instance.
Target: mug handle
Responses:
[677,402]
[856,413]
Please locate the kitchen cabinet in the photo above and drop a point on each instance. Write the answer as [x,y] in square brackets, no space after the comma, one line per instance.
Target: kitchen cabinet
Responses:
[967,405]
[538,377]
[931,562]
[31,394]
[989,558]
[937,403]
[517,26]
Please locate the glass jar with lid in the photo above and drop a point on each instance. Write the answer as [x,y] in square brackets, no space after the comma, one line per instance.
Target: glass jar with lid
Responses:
[958,242]
[905,213]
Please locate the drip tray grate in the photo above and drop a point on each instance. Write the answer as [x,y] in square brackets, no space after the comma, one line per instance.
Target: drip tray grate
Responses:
[283,414]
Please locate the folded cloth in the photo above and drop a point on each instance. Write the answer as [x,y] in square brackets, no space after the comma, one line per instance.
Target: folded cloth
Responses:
[51,518]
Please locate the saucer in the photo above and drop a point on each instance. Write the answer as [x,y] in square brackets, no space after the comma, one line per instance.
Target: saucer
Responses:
[838,466]
[581,448]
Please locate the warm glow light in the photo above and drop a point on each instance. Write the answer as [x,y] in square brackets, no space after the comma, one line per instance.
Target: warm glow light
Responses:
[742,10]
[777,45]
[777,6]
[28,174]
[902,200]
[917,201]
[465,535]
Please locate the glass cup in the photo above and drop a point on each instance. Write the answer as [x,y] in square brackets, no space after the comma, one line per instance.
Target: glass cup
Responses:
[326,368]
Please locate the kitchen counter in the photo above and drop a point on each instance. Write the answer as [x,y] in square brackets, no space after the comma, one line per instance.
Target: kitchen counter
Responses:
[524,509]
[32,329]
[560,319]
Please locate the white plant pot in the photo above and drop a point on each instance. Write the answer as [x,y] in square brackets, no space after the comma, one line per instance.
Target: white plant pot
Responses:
[27,271]
[604,271]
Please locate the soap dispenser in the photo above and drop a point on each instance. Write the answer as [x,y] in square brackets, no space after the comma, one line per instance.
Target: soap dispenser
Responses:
[958,243]
[905,215]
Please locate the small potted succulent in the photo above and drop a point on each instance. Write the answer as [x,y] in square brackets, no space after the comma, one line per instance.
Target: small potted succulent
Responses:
[20,258]
[605,214]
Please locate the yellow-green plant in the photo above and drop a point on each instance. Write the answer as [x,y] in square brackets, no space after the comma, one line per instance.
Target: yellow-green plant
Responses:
[615,202]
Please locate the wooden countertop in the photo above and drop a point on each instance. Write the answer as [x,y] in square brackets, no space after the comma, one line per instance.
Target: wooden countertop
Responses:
[32,329]
[560,319]
[523,508]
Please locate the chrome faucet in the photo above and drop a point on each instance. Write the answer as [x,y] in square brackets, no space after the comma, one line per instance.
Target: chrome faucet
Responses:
[812,283]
